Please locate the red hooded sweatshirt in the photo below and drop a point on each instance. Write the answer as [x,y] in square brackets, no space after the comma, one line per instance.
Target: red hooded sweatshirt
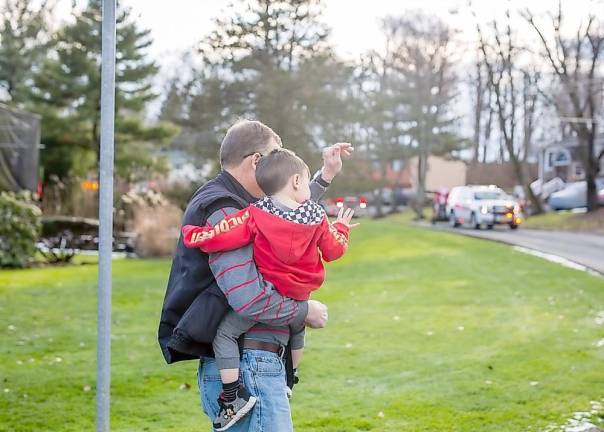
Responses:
[288,254]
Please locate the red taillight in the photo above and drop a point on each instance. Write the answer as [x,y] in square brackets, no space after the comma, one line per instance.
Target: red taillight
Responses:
[40,190]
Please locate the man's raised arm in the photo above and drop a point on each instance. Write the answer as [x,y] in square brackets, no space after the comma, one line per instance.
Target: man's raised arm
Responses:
[318,186]
[332,165]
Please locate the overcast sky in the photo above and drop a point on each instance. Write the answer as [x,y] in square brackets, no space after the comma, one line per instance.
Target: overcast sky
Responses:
[177,25]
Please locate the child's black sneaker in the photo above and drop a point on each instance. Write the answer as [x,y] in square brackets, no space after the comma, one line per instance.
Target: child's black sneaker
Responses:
[233,411]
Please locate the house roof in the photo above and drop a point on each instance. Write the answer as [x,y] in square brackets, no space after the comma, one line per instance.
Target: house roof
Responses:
[572,141]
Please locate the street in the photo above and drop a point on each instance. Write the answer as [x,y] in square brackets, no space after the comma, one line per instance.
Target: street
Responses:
[581,248]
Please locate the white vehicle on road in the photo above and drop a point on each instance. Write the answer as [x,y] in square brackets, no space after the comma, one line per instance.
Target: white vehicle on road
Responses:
[482,205]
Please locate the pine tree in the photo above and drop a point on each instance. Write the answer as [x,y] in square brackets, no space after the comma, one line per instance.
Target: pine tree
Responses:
[24,41]
[67,89]
[269,61]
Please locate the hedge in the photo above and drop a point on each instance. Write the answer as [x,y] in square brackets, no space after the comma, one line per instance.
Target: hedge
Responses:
[19,229]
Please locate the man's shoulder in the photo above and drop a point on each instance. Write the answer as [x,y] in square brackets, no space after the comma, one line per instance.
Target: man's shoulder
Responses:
[208,199]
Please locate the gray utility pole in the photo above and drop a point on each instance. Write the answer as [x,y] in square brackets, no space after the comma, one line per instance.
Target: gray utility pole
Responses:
[103,384]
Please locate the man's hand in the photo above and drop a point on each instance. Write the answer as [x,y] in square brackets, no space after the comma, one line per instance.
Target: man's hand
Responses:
[317,314]
[332,160]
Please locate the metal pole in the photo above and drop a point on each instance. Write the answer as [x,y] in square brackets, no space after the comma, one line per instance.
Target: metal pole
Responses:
[105,216]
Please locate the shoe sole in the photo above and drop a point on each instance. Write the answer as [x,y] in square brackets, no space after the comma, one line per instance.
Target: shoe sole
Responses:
[242,412]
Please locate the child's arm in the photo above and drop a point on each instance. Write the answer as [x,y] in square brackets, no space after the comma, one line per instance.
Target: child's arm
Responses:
[230,233]
[334,239]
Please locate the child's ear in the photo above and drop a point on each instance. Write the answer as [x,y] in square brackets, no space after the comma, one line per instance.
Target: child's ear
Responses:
[296,181]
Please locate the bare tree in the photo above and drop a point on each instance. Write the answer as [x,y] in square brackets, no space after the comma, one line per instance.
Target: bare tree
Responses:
[479,81]
[500,57]
[488,127]
[575,62]
[483,110]
[530,99]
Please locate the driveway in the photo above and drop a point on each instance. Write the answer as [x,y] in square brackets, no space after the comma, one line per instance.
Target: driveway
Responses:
[581,248]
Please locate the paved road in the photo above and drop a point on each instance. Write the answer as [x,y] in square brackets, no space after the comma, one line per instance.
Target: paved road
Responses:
[584,249]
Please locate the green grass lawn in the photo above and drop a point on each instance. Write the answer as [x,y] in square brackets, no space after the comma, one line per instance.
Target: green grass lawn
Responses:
[568,221]
[428,331]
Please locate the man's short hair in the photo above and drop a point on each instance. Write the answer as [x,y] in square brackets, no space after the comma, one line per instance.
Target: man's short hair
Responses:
[243,139]
[275,169]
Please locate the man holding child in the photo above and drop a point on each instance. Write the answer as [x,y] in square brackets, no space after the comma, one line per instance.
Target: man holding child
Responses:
[204,286]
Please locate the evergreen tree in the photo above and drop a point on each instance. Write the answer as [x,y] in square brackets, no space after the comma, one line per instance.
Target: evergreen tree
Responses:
[67,92]
[24,41]
[270,61]
[422,60]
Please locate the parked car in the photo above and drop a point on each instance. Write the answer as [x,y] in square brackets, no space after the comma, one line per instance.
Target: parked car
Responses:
[574,195]
[333,205]
[482,205]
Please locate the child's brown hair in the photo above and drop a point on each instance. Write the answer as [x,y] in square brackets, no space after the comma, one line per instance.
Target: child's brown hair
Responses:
[275,169]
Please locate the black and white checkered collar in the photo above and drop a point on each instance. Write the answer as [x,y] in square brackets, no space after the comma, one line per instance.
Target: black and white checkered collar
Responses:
[309,213]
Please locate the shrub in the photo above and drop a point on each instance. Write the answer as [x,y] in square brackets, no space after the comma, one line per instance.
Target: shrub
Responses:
[19,229]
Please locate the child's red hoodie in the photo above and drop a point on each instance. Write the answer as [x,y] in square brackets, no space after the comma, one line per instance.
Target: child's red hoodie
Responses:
[289,246]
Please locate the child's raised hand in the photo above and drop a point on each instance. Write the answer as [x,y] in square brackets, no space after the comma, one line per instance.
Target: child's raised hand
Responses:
[345,216]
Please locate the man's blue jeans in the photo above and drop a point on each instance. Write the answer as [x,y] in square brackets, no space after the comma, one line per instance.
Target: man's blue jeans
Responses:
[263,374]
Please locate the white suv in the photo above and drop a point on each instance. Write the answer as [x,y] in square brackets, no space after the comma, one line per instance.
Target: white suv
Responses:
[482,205]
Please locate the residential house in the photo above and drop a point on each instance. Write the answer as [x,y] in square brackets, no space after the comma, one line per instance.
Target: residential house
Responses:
[563,160]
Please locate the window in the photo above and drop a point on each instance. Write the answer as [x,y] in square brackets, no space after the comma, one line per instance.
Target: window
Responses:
[397,165]
[562,158]
[579,172]
[557,157]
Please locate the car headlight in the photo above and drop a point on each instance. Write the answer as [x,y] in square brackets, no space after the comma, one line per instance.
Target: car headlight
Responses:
[484,209]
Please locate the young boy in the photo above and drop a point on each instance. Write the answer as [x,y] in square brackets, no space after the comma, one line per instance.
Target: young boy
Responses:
[291,237]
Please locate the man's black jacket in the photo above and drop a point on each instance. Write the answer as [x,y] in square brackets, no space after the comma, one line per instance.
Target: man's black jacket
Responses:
[190,276]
